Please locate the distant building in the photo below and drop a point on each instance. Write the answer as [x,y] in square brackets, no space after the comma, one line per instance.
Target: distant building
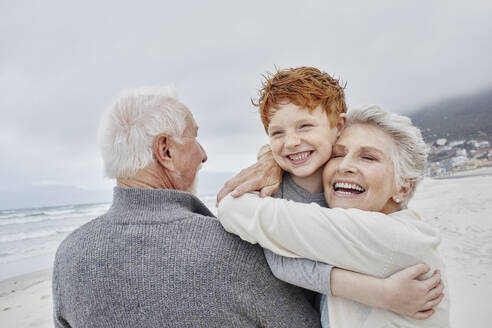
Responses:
[447,156]
[459,161]
[441,141]
[483,144]
[483,153]
[479,144]
[461,152]
[456,143]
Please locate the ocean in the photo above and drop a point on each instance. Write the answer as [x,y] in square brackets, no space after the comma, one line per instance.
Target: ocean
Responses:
[29,237]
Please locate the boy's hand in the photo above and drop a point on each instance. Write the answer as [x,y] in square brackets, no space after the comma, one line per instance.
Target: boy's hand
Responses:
[264,176]
[406,295]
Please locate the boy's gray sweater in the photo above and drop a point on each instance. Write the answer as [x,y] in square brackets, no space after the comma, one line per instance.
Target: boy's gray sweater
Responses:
[158,258]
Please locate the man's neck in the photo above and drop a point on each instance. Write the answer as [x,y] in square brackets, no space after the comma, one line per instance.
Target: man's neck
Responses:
[312,183]
[150,177]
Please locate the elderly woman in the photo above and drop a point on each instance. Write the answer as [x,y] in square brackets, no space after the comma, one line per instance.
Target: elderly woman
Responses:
[375,167]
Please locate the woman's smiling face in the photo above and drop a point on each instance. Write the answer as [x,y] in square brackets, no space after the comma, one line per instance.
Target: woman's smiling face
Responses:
[360,173]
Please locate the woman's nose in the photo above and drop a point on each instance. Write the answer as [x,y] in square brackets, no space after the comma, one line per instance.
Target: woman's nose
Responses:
[347,165]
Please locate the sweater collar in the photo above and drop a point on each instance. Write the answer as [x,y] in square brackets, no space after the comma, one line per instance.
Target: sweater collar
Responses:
[134,205]
[306,196]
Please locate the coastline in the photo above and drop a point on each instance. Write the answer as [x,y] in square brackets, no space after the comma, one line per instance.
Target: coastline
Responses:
[465,174]
[459,208]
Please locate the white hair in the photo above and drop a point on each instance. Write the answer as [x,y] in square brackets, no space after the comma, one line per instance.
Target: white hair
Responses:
[129,126]
[410,151]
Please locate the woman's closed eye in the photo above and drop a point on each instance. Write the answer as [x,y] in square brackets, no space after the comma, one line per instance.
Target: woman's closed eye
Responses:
[337,155]
[368,157]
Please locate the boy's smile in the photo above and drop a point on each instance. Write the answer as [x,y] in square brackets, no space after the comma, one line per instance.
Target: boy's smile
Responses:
[299,158]
[301,139]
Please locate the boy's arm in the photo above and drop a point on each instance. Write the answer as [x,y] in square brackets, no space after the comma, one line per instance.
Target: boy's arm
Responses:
[301,272]
[401,293]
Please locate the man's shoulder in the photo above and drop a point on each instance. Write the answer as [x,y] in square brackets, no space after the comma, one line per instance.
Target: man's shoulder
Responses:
[210,226]
[77,238]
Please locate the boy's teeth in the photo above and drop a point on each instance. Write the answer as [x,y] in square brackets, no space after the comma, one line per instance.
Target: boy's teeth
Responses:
[299,156]
[345,185]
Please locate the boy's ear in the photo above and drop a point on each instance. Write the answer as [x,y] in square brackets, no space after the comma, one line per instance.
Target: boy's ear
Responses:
[163,151]
[402,194]
[341,121]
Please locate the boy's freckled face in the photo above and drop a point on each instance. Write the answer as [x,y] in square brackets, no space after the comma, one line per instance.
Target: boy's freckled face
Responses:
[301,139]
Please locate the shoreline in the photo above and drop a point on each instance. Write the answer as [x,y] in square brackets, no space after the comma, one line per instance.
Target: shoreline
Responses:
[464,174]
[23,281]
[459,208]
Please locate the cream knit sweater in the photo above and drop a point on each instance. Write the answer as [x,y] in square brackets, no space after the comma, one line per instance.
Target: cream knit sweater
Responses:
[368,242]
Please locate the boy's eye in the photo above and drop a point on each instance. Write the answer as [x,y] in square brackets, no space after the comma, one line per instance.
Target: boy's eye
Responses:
[306,125]
[275,133]
[336,155]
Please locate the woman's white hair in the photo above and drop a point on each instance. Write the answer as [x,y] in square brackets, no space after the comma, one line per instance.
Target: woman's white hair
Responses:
[129,126]
[410,151]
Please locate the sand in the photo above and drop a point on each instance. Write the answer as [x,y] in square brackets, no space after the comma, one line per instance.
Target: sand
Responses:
[461,208]
[25,301]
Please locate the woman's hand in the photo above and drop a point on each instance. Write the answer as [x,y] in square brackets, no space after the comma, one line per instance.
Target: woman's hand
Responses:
[264,176]
[404,294]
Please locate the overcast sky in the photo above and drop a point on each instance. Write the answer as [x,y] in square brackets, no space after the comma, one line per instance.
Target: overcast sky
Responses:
[63,62]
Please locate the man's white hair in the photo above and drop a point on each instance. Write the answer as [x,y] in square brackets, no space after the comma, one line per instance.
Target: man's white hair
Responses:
[409,151]
[129,126]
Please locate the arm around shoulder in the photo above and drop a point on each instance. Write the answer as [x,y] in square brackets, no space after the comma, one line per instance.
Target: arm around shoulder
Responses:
[368,242]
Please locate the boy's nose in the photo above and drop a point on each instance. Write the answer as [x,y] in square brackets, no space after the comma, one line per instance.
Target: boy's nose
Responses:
[292,140]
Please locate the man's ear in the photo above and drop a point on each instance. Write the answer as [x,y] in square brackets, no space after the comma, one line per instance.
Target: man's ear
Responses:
[402,194]
[341,121]
[163,151]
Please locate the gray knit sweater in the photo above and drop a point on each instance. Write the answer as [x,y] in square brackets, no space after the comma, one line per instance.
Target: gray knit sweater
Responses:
[158,258]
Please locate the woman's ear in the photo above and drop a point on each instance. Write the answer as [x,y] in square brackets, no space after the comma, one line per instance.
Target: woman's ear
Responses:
[402,194]
[163,151]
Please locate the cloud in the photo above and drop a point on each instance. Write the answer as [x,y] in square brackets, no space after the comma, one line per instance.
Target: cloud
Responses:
[62,63]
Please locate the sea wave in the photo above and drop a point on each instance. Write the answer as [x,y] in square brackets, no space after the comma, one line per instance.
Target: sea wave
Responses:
[36,234]
[26,220]
[12,215]
[23,218]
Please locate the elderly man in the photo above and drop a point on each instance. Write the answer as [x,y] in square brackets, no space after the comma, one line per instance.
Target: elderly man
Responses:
[158,257]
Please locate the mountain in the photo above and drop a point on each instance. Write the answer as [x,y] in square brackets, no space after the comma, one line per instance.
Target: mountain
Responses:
[466,117]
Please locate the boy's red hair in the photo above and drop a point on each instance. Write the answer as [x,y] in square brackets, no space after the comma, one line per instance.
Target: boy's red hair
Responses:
[306,87]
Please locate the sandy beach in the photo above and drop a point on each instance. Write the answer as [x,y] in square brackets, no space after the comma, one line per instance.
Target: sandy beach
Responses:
[25,301]
[460,208]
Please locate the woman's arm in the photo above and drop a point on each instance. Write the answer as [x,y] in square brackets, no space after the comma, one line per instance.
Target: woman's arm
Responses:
[367,242]
[401,293]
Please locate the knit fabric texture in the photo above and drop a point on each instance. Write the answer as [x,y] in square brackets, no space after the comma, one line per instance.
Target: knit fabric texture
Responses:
[289,190]
[159,258]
